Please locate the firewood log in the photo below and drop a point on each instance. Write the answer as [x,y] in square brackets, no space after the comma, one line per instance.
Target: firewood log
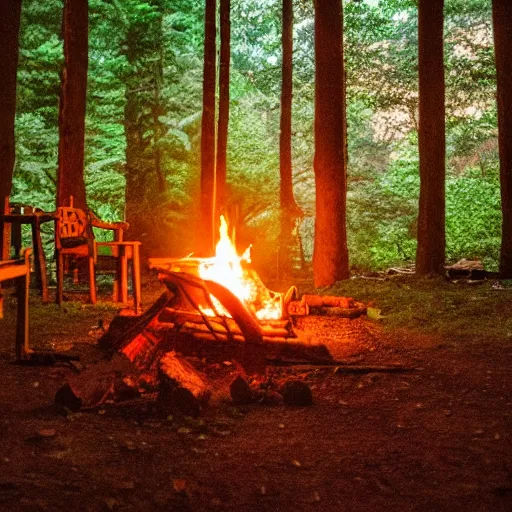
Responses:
[124,328]
[181,386]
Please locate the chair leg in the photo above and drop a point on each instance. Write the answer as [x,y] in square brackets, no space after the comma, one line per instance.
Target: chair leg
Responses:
[22,346]
[123,281]
[92,280]
[60,277]
[39,259]
[136,279]
[115,290]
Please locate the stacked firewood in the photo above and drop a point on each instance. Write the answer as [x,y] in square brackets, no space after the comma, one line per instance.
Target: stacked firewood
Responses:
[329,305]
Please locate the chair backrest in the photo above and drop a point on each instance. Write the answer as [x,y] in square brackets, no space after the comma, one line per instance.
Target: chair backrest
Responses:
[73,228]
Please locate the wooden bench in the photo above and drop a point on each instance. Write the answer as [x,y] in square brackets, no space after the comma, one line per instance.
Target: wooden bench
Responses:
[19,271]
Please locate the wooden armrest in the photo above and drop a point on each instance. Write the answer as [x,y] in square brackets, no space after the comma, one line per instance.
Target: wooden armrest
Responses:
[114,226]
[126,243]
[98,223]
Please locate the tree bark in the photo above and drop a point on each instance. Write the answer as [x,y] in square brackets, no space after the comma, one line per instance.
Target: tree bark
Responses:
[223,121]
[10,12]
[430,254]
[288,207]
[70,178]
[502,20]
[330,257]
[207,241]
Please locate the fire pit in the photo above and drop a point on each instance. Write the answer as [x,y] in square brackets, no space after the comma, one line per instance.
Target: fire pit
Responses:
[231,271]
[222,299]
[214,310]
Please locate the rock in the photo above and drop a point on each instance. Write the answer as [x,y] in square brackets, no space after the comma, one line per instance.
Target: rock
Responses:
[180,486]
[241,393]
[66,397]
[296,392]
[47,433]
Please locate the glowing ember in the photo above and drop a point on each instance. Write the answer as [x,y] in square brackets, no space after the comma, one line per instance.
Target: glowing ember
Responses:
[226,268]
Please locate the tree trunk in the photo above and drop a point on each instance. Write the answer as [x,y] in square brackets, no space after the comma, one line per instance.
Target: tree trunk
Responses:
[70,178]
[502,20]
[223,121]
[288,207]
[207,241]
[10,11]
[330,258]
[430,253]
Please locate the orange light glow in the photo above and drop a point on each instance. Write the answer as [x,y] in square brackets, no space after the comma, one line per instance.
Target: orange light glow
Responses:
[227,269]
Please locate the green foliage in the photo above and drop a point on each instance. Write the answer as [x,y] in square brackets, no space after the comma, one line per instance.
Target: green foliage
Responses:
[436,306]
[35,172]
[150,52]
[473,218]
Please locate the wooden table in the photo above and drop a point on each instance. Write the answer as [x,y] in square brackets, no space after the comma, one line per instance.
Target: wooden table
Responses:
[35,219]
[19,270]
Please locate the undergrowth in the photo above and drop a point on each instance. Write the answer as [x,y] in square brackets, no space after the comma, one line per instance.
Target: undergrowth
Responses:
[456,310]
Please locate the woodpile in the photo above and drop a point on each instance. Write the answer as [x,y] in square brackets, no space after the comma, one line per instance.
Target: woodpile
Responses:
[326,305]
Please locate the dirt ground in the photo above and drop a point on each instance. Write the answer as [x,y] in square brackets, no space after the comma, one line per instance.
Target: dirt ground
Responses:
[435,438]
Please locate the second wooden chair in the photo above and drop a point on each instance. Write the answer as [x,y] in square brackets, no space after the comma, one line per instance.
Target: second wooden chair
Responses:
[74,238]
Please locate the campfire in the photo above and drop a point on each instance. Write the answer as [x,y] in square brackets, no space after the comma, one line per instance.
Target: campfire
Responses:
[213,310]
[230,270]
[199,284]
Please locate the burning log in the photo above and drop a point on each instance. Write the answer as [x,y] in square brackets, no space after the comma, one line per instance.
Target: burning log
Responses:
[240,313]
[125,327]
[194,322]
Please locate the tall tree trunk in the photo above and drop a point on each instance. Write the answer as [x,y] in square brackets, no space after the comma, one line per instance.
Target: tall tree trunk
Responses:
[70,177]
[430,253]
[10,11]
[330,257]
[207,241]
[223,121]
[288,207]
[502,19]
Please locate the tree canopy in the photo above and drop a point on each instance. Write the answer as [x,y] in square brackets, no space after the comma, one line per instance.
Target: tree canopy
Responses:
[144,105]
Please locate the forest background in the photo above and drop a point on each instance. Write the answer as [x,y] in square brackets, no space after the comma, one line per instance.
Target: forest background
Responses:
[145,97]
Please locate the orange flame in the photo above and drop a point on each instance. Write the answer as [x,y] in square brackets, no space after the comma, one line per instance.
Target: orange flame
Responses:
[226,269]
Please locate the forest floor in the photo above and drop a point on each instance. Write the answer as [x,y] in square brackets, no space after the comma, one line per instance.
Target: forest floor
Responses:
[435,438]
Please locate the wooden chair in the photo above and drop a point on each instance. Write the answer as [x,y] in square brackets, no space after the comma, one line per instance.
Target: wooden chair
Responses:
[74,237]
